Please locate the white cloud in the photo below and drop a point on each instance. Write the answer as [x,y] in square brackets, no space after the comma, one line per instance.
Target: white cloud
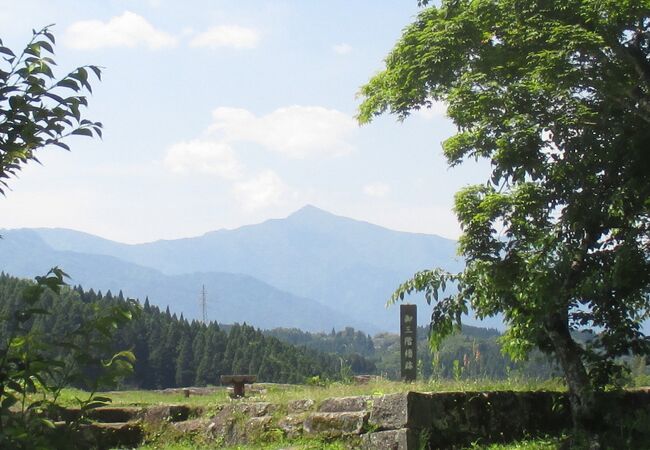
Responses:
[127,30]
[293,131]
[437,109]
[232,36]
[342,49]
[200,156]
[187,31]
[376,189]
[265,190]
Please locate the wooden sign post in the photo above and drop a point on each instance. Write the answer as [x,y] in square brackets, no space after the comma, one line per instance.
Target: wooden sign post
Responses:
[408,341]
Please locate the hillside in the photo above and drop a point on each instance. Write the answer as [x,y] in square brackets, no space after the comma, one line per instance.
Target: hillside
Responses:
[349,267]
[232,297]
[170,351]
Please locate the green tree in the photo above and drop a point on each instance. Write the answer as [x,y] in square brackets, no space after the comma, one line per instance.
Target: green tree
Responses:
[556,95]
[37,108]
[35,365]
[185,370]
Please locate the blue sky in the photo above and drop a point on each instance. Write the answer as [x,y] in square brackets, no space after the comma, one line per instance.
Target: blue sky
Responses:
[220,114]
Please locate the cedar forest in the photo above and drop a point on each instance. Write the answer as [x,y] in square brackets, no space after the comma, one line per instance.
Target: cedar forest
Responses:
[171,351]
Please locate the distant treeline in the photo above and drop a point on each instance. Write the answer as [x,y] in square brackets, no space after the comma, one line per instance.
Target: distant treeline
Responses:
[473,353]
[172,351]
[357,348]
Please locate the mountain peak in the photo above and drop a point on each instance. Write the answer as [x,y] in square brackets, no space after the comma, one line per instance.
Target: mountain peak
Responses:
[309,210]
[314,218]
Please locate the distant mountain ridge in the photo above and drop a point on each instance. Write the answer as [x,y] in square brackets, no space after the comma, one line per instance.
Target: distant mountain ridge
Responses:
[231,297]
[348,266]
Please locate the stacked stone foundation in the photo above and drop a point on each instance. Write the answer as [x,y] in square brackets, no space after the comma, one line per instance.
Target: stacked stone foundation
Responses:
[403,421]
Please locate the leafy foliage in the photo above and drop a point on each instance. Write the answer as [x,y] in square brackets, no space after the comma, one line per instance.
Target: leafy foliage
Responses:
[556,94]
[35,365]
[37,108]
[478,351]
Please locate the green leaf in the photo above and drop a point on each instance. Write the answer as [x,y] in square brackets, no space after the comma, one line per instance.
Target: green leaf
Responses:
[69,83]
[6,51]
[55,97]
[94,405]
[82,132]
[8,401]
[60,144]
[15,386]
[16,102]
[46,45]
[47,422]
[33,49]
[50,36]
[97,71]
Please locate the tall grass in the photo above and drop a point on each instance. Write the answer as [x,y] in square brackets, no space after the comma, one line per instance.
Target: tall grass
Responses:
[282,393]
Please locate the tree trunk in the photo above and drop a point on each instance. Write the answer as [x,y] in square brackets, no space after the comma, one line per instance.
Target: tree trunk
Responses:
[584,408]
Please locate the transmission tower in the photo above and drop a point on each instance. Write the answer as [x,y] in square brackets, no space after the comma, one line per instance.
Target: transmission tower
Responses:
[204,306]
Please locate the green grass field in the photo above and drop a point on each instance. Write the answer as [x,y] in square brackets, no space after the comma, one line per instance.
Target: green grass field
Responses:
[307,444]
[282,393]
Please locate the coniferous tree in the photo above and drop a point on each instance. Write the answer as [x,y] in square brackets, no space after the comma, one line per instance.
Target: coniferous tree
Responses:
[185,372]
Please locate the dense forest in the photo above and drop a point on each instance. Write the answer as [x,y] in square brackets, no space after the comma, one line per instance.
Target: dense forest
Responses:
[172,351]
[473,353]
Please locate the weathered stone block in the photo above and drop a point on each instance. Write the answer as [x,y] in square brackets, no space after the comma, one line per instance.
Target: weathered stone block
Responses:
[390,412]
[111,435]
[255,427]
[344,404]
[238,421]
[334,424]
[543,412]
[459,418]
[299,406]
[402,439]
[253,409]
[192,426]
[424,408]
[291,425]
[105,414]
[222,426]
[171,413]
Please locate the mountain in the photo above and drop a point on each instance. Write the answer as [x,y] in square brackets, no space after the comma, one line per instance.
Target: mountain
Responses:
[231,297]
[347,265]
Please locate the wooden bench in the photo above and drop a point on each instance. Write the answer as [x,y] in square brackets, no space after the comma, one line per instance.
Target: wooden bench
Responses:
[238,382]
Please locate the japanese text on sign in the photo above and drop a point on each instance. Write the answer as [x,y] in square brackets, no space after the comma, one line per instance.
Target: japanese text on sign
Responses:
[408,342]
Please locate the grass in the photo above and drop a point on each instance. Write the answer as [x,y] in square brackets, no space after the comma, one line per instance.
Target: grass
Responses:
[303,444]
[282,393]
[147,398]
[317,444]
[166,438]
[550,443]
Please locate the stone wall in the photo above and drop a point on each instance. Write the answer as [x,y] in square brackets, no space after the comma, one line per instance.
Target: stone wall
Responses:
[448,420]
[444,420]
[415,420]
[404,421]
